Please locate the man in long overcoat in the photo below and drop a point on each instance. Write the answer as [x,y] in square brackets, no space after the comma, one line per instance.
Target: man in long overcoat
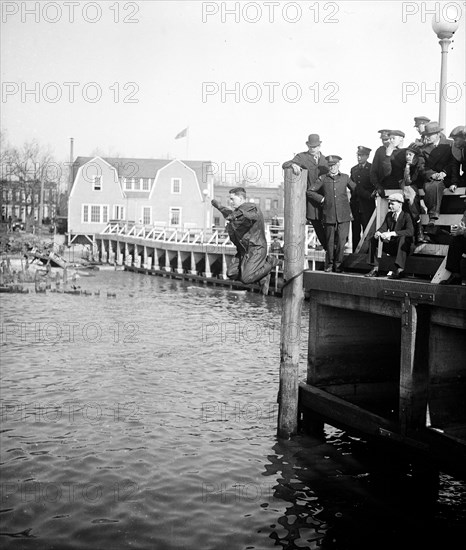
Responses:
[332,191]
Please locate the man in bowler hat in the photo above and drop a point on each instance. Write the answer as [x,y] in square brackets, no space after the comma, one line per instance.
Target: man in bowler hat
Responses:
[396,233]
[362,200]
[331,190]
[314,162]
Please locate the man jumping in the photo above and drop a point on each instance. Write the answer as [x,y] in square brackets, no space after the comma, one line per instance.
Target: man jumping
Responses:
[246,230]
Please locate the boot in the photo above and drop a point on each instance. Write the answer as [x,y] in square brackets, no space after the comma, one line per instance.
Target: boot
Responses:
[419,234]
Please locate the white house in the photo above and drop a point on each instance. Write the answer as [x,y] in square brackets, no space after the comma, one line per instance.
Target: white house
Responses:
[171,193]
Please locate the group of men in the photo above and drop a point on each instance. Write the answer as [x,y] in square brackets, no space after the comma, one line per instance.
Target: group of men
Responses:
[334,201]
[431,162]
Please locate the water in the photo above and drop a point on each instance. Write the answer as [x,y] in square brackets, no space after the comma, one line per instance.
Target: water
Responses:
[148,421]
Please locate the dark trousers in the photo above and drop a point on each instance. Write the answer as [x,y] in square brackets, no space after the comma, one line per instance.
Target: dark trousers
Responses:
[320,231]
[400,247]
[455,252]
[362,212]
[336,236]
[251,267]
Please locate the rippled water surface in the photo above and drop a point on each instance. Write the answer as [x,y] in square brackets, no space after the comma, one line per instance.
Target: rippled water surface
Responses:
[148,420]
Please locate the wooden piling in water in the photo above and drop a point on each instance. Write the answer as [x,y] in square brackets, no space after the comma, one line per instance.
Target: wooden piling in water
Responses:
[293,296]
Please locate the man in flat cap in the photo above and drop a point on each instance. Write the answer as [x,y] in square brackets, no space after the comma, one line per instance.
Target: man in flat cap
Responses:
[376,172]
[458,176]
[336,213]
[246,231]
[314,162]
[396,233]
[438,160]
[362,201]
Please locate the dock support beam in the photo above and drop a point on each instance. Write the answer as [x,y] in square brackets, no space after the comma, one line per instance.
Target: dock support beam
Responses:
[293,296]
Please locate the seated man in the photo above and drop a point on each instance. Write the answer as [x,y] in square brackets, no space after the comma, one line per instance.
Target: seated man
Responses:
[455,252]
[396,233]
[438,161]
[246,230]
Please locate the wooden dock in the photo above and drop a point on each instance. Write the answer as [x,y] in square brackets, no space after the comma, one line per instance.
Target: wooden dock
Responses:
[387,359]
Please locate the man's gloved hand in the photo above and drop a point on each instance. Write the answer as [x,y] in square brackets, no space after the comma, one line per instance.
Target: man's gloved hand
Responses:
[215,203]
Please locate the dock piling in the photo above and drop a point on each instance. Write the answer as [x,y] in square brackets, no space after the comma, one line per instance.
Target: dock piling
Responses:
[293,296]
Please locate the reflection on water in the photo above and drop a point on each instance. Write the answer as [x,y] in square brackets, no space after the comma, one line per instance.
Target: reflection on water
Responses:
[148,419]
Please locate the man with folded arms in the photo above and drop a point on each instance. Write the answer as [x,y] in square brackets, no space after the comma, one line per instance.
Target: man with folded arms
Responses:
[396,233]
[438,169]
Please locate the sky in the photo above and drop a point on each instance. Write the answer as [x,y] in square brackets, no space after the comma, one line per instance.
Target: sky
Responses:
[250,80]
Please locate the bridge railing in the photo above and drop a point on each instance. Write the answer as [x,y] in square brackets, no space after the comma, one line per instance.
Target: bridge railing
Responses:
[159,233]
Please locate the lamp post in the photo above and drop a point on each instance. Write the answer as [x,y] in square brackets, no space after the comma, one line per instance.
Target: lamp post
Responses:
[444,29]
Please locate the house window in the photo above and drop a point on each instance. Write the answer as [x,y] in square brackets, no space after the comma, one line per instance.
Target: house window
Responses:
[128,184]
[137,184]
[118,212]
[95,213]
[104,214]
[85,213]
[268,204]
[275,204]
[97,183]
[176,185]
[146,215]
[175,216]
[146,184]
[216,221]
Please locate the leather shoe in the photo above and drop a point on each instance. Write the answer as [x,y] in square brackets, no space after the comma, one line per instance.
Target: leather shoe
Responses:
[398,274]
[452,280]
[374,272]
[339,269]
[328,269]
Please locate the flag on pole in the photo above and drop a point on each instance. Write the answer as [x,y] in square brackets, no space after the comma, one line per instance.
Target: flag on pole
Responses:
[182,134]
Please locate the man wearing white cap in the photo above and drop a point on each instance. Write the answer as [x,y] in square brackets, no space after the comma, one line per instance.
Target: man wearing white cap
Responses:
[396,233]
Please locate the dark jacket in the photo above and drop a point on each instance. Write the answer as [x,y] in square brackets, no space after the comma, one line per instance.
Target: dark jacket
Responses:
[416,175]
[403,226]
[376,168]
[314,170]
[458,165]
[245,227]
[361,175]
[438,159]
[393,169]
[336,207]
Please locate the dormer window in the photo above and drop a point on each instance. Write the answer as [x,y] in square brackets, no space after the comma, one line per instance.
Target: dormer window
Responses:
[97,183]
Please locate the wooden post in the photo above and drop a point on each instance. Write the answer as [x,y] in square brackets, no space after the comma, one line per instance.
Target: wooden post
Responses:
[293,296]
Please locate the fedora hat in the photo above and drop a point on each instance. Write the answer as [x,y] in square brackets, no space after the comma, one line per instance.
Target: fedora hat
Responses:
[432,128]
[313,140]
